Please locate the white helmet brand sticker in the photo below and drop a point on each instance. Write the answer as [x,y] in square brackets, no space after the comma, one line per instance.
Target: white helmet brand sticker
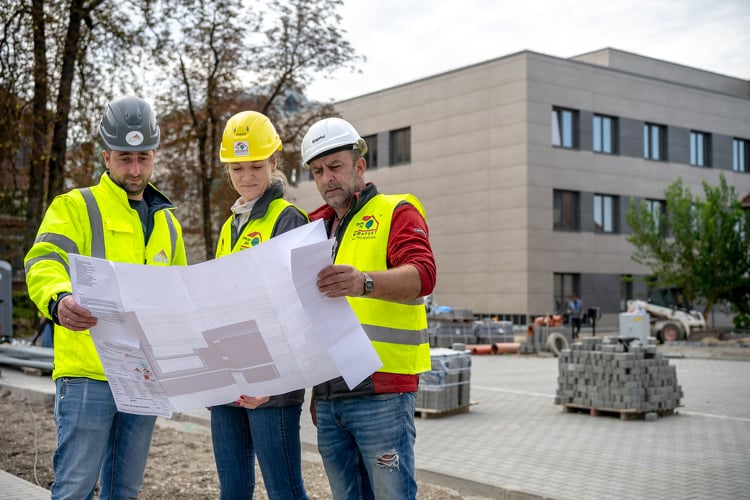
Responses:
[241,149]
[134,138]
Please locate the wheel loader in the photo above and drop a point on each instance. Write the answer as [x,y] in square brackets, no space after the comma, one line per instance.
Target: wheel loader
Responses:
[672,318]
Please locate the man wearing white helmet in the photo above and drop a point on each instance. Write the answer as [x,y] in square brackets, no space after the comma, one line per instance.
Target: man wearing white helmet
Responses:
[383,264]
[124,218]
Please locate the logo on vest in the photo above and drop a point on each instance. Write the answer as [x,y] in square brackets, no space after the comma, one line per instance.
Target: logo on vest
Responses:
[366,228]
[161,257]
[250,240]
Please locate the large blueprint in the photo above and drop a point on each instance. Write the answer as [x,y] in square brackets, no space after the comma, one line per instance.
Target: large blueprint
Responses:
[177,338]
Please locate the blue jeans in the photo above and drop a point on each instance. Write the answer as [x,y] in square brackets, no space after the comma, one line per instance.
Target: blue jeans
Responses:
[367,446]
[94,440]
[271,433]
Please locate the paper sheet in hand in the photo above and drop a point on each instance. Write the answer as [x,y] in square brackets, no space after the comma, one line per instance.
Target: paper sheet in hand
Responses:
[176,338]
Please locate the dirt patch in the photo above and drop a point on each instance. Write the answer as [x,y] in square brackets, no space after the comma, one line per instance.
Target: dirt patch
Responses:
[180,464]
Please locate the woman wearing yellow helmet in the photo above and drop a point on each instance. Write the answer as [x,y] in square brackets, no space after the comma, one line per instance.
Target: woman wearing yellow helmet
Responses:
[266,427]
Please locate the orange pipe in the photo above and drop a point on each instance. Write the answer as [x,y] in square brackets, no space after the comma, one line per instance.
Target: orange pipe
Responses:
[479,348]
[505,347]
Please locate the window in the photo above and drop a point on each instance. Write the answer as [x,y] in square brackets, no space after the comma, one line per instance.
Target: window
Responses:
[654,139]
[700,149]
[564,128]
[400,146]
[605,213]
[566,211]
[605,134]
[626,290]
[565,286]
[740,155]
[657,208]
[371,157]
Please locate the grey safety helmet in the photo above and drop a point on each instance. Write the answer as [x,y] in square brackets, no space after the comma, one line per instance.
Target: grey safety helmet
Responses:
[129,124]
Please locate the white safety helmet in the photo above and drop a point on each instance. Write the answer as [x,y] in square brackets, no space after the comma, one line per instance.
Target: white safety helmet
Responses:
[330,135]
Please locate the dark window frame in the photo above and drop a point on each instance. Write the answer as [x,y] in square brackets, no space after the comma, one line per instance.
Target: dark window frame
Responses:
[700,148]
[568,204]
[740,155]
[608,225]
[600,135]
[565,128]
[660,212]
[654,133]
[400,146]
[565,285]
[371,157]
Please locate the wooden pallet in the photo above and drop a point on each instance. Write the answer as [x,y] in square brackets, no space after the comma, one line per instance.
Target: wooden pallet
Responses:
[432,413]
[626,414]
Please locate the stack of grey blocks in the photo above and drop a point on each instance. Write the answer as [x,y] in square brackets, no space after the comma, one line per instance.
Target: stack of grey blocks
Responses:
[447,333]
[447,385]
[490,332]
[614,374]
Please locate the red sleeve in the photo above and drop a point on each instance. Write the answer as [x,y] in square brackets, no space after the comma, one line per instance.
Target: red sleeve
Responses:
[409,243]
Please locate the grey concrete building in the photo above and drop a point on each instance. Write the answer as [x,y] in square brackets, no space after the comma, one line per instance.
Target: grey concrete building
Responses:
[527,163]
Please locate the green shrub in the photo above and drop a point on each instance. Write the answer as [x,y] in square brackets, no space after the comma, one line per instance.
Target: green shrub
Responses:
[741,321]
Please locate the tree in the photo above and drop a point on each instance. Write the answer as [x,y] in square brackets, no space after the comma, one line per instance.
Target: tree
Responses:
[61,56]
[697,244]
[201,60]
[223,56]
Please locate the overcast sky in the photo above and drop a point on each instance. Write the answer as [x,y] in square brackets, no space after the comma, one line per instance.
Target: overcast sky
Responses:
[405,40]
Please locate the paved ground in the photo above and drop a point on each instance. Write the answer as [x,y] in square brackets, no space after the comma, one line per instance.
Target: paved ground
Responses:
[514,443]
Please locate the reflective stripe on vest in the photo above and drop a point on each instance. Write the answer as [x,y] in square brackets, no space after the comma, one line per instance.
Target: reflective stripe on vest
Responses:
[95,221]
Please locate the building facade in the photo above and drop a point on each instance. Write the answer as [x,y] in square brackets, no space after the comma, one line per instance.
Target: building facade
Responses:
[527,164]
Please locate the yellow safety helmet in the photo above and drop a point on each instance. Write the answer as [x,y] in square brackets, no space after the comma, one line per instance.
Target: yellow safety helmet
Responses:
[249,136]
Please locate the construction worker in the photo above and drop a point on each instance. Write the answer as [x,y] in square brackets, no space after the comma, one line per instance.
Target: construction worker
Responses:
[383,264]
[575,311]
[123,218]
[262,426]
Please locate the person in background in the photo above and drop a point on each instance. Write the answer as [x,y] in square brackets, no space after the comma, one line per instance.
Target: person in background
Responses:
[575,310]
[123,218]
[257,426]
[384,265]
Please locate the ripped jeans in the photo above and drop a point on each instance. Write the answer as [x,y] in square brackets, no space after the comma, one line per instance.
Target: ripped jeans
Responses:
[367,446]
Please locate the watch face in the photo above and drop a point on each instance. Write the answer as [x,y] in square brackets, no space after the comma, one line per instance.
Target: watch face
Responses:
[368,284]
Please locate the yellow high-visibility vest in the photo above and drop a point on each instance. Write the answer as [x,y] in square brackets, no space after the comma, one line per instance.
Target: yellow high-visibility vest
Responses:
[255,232]
[98,222]
[398,332]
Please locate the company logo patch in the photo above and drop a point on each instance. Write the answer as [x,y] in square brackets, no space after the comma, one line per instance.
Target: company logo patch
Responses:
[134,138]
[241,149]
[161,257]
[251,240]
[366,227]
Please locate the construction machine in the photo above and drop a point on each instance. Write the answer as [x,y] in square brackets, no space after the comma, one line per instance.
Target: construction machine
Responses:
[672,317]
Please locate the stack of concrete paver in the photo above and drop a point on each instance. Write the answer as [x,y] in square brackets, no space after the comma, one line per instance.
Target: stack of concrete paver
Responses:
[447,333]
[446,386]
[617,374]
[489,331]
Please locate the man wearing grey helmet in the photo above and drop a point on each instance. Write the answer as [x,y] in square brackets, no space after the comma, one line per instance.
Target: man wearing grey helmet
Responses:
[123,218]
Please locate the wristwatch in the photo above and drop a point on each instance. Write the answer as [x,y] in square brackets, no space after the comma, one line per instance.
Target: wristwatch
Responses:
[369,285]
